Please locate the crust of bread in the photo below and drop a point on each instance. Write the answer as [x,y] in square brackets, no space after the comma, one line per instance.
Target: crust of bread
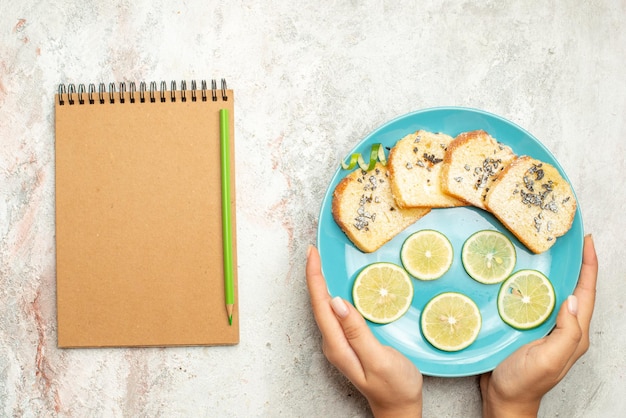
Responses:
[415,164]
[366,211]
[534,202]
[472,164]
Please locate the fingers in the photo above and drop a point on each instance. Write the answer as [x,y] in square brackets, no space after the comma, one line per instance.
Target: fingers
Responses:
[560,349]
[348,342]
[316,283]
[570,338]
[336,347]
[586,289]
[320,299]
[358,334]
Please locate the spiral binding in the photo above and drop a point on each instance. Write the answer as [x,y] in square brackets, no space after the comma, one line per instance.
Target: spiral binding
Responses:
[72,95]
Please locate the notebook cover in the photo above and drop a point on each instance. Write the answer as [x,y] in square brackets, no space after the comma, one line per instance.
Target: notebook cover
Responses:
[138,223]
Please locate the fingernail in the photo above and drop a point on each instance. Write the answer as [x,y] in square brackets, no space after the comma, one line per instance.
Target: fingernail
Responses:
[339,307]
[572,304]
[308,250]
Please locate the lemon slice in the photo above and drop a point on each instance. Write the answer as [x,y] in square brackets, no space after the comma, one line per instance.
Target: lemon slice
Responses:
[382,292]
[488,256]
[427,254]
[451,321]
[526,299]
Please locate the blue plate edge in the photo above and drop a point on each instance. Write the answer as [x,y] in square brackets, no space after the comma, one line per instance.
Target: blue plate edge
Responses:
[577,223]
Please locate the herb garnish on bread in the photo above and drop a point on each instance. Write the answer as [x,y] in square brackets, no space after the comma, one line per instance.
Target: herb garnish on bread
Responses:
[426,170]
[366,212]
[471,165]
[534,202]
[415,164]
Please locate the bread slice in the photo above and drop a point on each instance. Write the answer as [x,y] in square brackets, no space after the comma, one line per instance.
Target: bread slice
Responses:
[366,212]
[534,202]
[472,164]
[415,171]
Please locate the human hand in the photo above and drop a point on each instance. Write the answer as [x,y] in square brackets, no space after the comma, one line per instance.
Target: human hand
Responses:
[389,381]
[516,386]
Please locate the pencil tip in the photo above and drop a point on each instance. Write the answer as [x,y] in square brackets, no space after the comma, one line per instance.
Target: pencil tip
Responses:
[229,312]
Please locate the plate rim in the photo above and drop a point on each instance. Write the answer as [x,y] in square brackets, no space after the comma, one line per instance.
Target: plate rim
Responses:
[368,138]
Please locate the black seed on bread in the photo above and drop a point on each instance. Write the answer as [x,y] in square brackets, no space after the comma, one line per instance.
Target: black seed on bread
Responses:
[366,211]
[472,164]
[415,164]
[534,202]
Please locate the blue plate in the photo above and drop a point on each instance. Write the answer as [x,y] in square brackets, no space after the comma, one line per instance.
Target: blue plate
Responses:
[341,260]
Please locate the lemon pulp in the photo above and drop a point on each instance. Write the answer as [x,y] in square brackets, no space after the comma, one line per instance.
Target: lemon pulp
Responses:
[451,321]
[488,256]
[526,299]
[427,254]
[382,292]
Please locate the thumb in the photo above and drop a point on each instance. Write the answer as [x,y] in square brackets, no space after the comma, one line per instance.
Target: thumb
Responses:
[561,344]
[358,334]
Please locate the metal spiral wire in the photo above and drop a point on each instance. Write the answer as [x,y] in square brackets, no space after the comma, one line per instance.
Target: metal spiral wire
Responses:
[70,94]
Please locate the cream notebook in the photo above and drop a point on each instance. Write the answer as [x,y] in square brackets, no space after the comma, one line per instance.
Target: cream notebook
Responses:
[138,215]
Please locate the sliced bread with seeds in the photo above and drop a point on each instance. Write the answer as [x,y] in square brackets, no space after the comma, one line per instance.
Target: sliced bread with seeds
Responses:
[534,202]
[472,164]
[366,212]
[415,163]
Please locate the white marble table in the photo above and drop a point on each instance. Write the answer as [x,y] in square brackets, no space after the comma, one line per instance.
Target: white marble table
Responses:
[310,82]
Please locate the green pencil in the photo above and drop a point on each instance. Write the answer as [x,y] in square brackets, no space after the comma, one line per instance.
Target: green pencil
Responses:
[227,243]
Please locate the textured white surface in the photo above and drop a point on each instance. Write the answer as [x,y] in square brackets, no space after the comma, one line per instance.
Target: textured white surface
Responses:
[311,80]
